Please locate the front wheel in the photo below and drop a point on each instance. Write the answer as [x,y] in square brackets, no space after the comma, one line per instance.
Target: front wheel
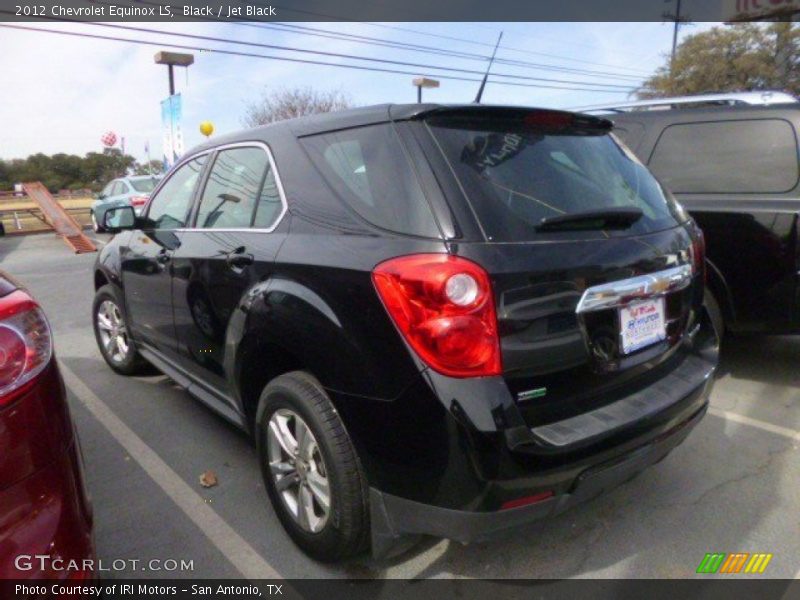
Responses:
[112,333]
[311,471]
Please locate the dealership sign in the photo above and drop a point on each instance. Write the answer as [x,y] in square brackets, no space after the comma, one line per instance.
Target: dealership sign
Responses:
[752,10]
[171,134]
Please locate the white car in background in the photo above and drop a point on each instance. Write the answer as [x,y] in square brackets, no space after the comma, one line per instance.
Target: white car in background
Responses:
[123,191]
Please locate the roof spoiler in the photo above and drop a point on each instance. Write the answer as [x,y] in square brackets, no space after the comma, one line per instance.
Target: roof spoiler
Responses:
[533,117]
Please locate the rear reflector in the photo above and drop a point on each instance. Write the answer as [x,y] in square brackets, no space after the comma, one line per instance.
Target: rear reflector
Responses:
[527,500]
[138,200]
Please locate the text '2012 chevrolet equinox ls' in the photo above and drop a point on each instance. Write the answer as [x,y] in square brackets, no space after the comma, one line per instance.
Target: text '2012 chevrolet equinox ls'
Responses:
[445,320]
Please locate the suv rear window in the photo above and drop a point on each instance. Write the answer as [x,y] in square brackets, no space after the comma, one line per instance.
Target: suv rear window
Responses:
[367,167]
[516,173]
[753,156]
[145,186]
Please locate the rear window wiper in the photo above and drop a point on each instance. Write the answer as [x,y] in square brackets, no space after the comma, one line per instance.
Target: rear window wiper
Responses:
[608,218]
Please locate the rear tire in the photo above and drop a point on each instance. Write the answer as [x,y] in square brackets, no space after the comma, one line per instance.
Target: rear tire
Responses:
[715,314]
[110,324]
[289,403]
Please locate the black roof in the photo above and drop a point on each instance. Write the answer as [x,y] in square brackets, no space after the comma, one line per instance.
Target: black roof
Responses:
[366,115]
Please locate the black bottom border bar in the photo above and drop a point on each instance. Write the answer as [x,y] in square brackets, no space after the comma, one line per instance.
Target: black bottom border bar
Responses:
[730,588]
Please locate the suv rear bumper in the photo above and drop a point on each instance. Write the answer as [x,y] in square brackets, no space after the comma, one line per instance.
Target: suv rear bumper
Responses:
[395,518]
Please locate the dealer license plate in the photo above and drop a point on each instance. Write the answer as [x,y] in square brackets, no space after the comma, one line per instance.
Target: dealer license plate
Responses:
[642,324]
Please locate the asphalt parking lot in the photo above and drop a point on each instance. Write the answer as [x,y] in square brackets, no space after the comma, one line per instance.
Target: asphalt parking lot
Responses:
[733,486]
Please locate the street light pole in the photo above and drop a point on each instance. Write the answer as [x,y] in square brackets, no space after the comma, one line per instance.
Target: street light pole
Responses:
[171,59]
[423,82]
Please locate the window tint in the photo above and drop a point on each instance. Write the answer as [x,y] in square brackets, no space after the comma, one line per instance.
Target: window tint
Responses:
[107,190]
[727,157]
[170,206]
[118,189]
[369,170]
[269,204]
[516,174]
[233,187]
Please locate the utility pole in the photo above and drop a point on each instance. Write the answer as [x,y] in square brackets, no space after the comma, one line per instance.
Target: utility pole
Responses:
[678,19]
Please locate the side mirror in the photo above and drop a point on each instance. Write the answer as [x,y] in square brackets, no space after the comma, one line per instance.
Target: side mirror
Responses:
[119,218]
[100,196]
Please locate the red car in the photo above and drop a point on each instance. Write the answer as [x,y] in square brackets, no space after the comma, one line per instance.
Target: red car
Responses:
[45,514]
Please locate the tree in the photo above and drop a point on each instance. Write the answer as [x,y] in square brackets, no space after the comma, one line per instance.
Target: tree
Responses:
[732,58]
[281,104]
[67,171]
[100,168]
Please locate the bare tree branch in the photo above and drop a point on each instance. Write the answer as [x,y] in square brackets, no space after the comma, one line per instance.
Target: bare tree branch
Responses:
[283,103]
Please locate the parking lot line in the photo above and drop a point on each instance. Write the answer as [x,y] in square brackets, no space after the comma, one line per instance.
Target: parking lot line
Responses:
[235,548]
[763,425]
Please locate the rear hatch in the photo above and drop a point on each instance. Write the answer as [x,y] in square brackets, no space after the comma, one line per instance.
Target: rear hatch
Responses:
[597,272]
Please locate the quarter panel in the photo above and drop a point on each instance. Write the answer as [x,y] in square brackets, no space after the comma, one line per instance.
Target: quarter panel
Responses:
[322,306]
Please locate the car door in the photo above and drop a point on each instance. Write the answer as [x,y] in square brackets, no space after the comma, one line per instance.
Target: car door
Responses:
[146,260]
[117,197]
[231,247]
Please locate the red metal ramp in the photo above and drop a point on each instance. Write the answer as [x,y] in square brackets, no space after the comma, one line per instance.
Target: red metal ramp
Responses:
[55,215]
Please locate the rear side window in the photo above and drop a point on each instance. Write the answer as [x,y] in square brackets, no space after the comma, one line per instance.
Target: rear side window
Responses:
[516,174]
[269,206]
[170,206]
[233,188]
[367,167]
[755,156]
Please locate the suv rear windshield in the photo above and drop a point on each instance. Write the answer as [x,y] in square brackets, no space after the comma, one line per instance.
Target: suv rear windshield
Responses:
[518,171]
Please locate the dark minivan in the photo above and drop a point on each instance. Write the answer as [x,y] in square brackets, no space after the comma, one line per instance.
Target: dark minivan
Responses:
[737,170]
[445,320]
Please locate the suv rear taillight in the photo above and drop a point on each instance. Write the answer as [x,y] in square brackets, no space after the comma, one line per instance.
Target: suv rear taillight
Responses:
[443,306]
[138,201]
[25,343]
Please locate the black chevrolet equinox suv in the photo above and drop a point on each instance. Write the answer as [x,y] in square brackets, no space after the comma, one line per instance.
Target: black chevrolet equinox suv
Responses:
[444,320]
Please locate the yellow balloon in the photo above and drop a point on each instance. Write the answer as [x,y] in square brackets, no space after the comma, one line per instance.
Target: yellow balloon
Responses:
[206,128]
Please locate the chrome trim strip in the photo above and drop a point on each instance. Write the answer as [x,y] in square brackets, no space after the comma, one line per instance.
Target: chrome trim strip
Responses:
[620,293]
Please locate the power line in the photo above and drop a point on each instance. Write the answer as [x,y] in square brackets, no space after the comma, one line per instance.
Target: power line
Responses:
[347,56]
[452,38]
[335,54]
[289,59]
[325,33]
[639,72]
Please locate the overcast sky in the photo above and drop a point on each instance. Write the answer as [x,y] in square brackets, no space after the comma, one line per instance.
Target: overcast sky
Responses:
[61,93]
